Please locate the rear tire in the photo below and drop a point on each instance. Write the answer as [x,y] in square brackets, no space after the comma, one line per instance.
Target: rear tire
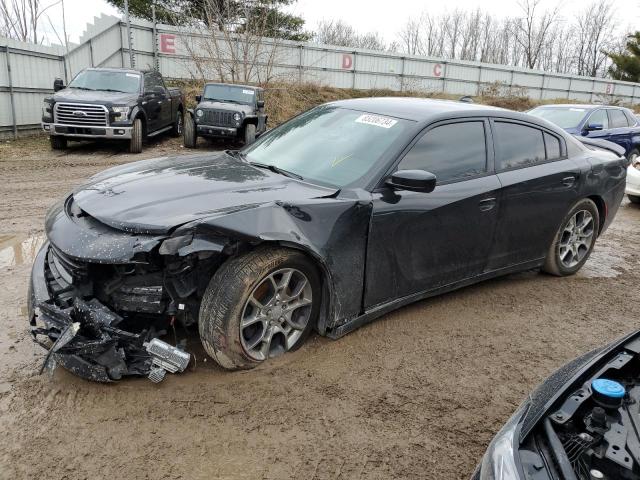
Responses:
[58,142]
[135,143]
[229,301]
[249,134]
[190,136]
[634,199]
[574,242]
[178,125]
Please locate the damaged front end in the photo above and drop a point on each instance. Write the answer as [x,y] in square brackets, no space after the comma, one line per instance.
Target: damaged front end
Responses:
[86,341]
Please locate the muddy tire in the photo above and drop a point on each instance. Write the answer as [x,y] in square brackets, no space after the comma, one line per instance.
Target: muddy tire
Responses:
[190,136]
[249,134]
[178,124]
[135,143]
[574,241]
[634,199]
[58,142]
[247,317]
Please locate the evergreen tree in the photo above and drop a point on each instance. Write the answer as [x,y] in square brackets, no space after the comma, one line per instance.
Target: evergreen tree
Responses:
[626,65]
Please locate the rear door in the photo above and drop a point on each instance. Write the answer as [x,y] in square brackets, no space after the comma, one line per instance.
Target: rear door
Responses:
[539,185]
[620,132]
[421,241]
[152,103]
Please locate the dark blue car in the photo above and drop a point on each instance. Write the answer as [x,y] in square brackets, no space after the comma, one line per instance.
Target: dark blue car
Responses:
[615,124]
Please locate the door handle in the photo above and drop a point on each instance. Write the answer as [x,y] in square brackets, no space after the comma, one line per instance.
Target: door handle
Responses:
[487,204]
[569,181]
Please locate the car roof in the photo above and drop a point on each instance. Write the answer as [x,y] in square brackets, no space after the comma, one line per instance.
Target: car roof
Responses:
[116,69]
[425,110]
[233,85]
[585,106]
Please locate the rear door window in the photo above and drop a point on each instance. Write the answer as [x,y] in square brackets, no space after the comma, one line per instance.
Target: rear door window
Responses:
[617,119]
[552,145]
[451,152]
[518,145]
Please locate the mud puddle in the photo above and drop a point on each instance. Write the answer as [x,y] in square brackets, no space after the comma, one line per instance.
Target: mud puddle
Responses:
[19,250]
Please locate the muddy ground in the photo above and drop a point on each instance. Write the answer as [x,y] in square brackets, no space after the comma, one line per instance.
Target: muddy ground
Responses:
[416,395]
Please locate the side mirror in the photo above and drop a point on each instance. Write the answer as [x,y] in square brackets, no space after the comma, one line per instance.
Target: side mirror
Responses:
[413,180]
[58,85]
[260,103]
[198,98]
[157,91]
[591,127]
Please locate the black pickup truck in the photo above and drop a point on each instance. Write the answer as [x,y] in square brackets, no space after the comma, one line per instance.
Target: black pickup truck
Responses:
[112,103]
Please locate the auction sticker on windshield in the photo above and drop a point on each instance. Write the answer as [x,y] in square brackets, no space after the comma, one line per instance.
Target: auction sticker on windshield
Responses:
[247,92]
[376,120]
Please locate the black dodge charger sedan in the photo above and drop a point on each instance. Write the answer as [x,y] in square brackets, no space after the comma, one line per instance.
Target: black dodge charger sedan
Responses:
[340,215]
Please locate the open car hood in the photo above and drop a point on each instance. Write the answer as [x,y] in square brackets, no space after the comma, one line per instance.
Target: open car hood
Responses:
[154,196]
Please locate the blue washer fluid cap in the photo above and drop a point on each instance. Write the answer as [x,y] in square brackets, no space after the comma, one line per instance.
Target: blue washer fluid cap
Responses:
[608,388]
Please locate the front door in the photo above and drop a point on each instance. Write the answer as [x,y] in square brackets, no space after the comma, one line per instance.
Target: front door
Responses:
[421,241]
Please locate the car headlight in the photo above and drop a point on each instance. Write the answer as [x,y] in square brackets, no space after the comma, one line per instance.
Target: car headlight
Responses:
[199,113]
[499,463]
[46,109]
[121,111]
[237,117]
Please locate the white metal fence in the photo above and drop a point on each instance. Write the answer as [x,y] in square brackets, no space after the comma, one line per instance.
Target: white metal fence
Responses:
[27,71]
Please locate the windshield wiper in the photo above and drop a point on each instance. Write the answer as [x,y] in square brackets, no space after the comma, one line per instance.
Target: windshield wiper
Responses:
[222,100]
[82,88]
[278,170]
[112,90]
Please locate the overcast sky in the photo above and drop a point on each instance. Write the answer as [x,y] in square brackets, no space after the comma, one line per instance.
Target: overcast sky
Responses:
[365,15]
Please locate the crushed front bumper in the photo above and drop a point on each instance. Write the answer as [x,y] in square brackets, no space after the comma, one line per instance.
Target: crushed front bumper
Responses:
[84,131]
[85,338]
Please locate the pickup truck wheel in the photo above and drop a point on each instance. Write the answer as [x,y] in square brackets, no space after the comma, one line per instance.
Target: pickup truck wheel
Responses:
[178,124]
[258,306]
[135,144]
[58,142]
[634,199]
[249,134]
[574,241]
[190,136]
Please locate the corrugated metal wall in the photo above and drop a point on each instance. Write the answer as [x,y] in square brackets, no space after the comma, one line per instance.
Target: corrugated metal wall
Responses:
[34,67]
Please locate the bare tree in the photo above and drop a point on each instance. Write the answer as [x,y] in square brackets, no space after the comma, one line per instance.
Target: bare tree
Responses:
[531,30]
[19,19]
[593,36]
[229,50]
[342,34]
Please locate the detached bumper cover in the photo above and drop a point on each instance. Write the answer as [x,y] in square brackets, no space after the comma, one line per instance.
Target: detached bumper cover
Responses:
[633,181]
[85,338]
[84,131]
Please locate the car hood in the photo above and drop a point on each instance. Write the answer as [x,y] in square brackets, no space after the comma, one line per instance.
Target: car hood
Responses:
[155,196]
[73,95]
[231,107]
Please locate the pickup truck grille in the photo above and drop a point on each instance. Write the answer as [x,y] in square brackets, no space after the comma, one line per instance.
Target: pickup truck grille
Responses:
[81,114]
[218,118]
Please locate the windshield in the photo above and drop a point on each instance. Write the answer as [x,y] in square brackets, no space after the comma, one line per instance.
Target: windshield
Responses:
[329,145]
[109,81]
[569,117]
[229,93]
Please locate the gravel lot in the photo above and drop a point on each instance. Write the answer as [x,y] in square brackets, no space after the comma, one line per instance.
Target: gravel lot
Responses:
[417,395]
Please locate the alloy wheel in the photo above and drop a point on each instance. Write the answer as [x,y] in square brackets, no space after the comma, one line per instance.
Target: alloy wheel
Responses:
[576,239]
[276,314]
